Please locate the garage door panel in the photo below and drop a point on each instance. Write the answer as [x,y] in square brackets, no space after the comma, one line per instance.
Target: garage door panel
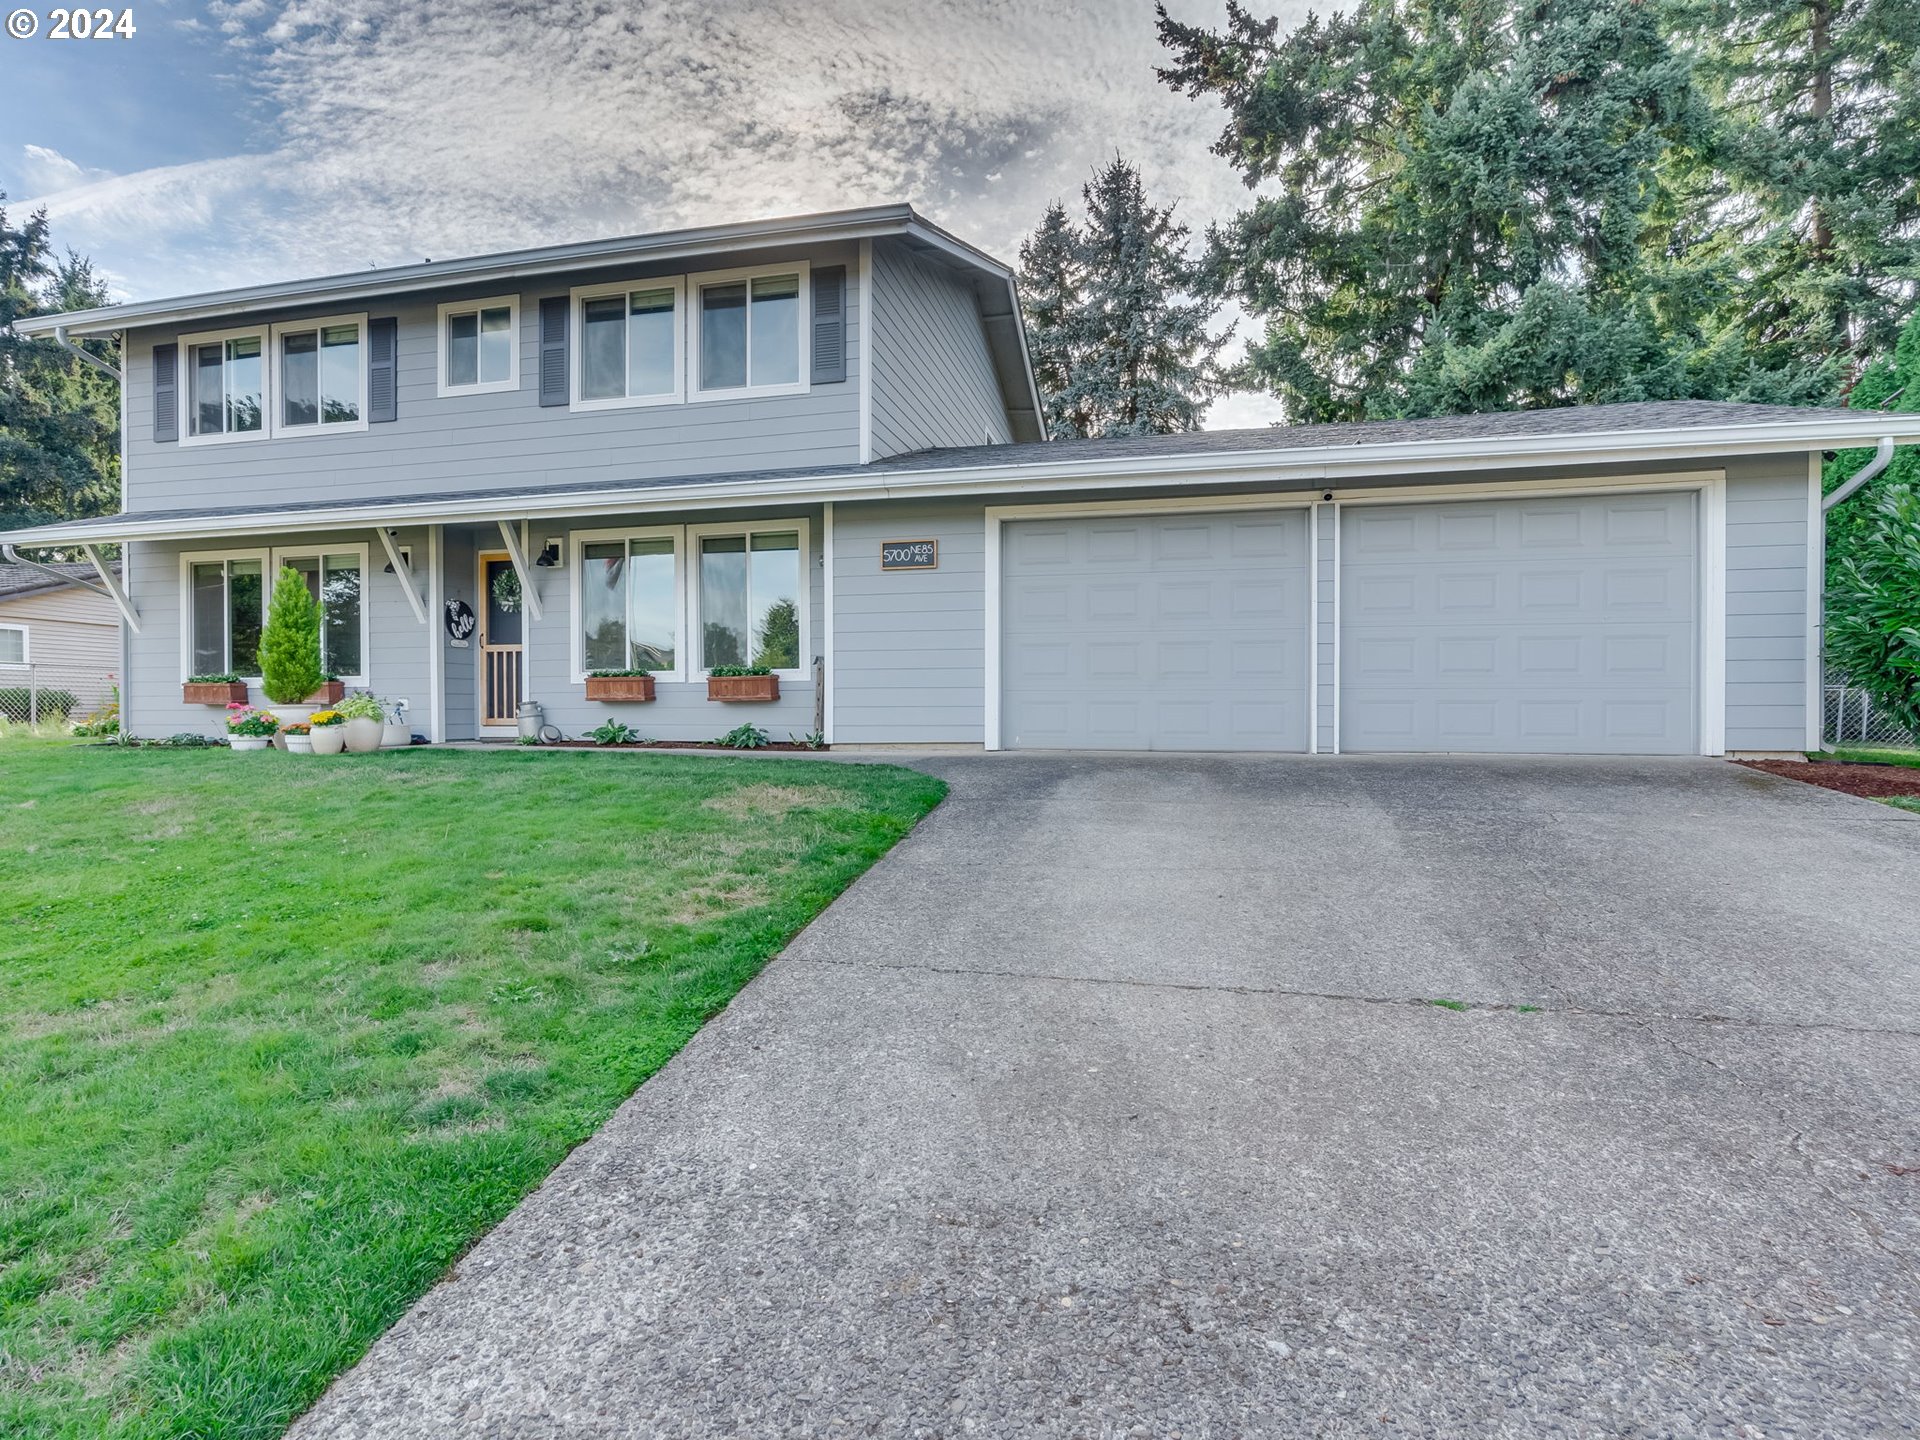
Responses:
[1167,632]
[1455,635]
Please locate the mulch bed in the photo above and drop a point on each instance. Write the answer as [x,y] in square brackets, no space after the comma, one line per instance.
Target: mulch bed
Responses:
[681,745]
[1876,782]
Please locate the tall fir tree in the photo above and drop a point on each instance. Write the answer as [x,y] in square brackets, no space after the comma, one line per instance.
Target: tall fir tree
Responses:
[1457,203]
[1050,295]
[59,417]
[1813,179]
[1121,341]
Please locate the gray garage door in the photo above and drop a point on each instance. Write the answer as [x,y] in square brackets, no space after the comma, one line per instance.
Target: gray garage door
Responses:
[1177,632]
[1538,625]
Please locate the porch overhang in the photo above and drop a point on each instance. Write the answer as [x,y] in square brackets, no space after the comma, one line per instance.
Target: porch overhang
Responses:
[1293,466]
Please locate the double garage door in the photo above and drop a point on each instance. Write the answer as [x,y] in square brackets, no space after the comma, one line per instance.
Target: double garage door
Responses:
[1538,625]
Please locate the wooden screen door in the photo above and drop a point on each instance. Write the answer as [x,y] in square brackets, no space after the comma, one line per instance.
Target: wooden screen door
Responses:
[502,637]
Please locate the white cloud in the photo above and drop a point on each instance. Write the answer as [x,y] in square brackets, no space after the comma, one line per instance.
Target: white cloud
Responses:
[49,172]
[450,127]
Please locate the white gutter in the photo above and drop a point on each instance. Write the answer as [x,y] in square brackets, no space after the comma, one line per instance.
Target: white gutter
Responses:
[1324,467]
[60,339]
[1882,457]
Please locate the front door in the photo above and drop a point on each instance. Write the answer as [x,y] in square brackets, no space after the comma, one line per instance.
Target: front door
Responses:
[502,632]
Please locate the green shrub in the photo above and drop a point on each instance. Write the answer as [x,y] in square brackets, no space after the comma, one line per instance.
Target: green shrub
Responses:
[613,733]
[1873,607]
[743,737]
[290,645]
[361,705]
[731,670]
[224,678]
[616,674]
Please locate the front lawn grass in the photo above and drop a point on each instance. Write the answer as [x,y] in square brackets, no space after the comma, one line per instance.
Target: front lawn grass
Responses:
[1870,754]
[281,1036]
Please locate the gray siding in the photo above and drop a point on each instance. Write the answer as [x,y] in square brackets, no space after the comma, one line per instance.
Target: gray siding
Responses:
[397,655]
[909,647]
[1767,620]
[459,580]
[477,442]
[933,377]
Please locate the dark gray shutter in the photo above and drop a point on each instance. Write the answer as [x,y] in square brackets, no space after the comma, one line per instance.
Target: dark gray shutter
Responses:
[553,350]
[383,367]
[829,324]
[166,392]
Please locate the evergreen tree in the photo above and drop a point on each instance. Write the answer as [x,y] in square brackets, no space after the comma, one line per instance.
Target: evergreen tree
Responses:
[59,418]
[1458,202]
[1814,174]
[1891,382]
[289,655]
[1050,297]
[1119,338]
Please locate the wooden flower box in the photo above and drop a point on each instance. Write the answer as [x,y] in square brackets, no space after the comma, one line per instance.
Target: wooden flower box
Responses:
[743,687]
[213,694]
[620,689]
[331,692]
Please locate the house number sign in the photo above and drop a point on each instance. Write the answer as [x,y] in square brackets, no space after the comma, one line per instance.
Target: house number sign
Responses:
[909,554]
[460,622]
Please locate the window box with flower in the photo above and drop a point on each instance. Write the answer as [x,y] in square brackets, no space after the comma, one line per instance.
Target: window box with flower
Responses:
[223,689]
[617,687]
[742,683]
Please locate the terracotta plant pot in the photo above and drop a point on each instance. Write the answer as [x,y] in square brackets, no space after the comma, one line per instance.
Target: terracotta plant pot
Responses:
[329,739]
[222,695]
[248,742]
[743,687]
[363,736]
[331,692]
[620,689]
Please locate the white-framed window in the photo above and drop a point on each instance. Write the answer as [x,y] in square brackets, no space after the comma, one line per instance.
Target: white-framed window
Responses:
[320,376]
[336,577]
[223,604]
[480,345]
[748,331]
[13,645]
[748,590]
[223,390]
[629,344]
[629,594]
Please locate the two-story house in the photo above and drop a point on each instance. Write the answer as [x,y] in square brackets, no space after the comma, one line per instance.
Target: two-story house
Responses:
[815,444]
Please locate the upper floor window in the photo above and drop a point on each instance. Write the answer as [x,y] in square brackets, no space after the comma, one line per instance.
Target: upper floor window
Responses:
[302,377]
[226,385]
[751,325]
[480,346]
[323,374]
[629,346]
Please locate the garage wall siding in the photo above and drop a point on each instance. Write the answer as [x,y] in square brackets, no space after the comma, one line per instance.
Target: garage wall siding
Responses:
[1767,621]
[909,649]
[1326,522]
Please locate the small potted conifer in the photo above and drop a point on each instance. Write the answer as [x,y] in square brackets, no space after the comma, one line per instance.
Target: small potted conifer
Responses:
[290,643]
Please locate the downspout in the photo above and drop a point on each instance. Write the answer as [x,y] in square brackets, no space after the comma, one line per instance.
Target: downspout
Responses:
[60,339]
[1882,457]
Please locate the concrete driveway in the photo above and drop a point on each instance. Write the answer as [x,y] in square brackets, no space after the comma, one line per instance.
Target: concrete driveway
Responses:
[1108,1104]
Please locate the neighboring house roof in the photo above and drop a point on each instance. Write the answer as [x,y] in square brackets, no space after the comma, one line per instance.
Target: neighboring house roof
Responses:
[19,580]
[1339,454]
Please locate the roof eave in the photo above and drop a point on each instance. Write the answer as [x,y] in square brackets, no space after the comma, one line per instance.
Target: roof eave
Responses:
[823,228]
[1331,465]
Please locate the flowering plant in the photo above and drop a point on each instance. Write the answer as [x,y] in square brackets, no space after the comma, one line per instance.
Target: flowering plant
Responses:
[245,720]
[362,705]
[298,727]
[321,719]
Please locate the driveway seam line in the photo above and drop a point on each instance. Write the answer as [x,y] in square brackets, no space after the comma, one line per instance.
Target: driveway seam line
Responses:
[1410,1001]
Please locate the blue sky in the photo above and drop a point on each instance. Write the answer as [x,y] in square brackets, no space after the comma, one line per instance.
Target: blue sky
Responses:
[233,141]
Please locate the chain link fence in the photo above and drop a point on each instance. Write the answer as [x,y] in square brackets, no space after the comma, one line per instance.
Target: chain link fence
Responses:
[56,695]
[1853,719]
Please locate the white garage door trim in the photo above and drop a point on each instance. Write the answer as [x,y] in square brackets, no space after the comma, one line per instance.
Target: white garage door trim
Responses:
[997,515]
[1711,486]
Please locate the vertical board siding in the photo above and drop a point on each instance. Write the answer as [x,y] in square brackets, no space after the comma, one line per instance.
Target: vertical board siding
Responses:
[459,580]
[933,377]
[1768,628]
[1326,519]
[909,654]
[496,440]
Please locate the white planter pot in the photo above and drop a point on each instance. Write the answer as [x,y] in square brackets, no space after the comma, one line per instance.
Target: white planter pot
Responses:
[363,736]
[395,737]
[247,742]
[328,739]
[299,744]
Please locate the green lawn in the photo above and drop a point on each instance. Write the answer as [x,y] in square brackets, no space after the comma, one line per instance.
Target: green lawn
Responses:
[281,1036]
[1884,755]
